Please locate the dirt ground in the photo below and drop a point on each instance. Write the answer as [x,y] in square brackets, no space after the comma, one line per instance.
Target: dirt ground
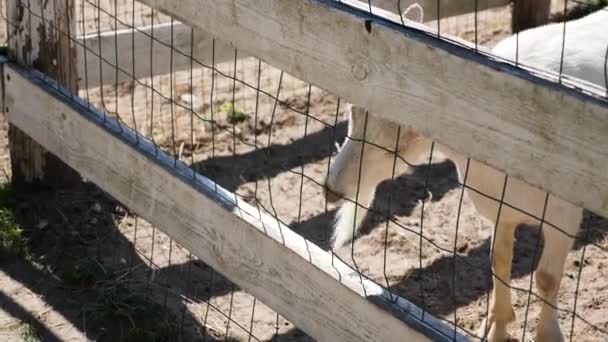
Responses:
[94,271]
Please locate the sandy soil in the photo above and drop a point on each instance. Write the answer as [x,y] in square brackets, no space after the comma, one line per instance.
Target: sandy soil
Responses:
[276,156]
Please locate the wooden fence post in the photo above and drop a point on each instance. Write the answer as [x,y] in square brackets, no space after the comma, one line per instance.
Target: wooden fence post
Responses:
[529,13]
[39,36]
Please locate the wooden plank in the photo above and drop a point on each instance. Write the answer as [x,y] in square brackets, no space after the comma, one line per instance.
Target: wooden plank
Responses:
[154,58]
[151,45]
[452,94]
[153,50]
[38,36]
[267,259]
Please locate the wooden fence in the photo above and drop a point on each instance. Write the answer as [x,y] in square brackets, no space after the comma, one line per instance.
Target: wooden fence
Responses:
[340,47]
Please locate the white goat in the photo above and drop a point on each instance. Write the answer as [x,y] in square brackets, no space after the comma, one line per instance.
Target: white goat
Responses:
[541,47]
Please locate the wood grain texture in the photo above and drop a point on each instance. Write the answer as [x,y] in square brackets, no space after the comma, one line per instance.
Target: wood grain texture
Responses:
[146,51]
[536,130]
[267,259]
[39,36]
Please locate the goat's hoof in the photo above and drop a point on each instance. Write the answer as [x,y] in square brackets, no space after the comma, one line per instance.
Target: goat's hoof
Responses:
[549,334]
[493,331]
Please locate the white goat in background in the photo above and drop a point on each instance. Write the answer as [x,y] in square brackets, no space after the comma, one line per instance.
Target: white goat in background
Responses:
[541,47]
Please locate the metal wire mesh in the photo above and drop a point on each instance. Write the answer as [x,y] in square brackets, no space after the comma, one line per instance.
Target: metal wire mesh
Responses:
[271,139]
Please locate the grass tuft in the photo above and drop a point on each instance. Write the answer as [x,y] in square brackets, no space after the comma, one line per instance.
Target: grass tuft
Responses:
[233,115]
[13,242]
[29,334]
[130,315]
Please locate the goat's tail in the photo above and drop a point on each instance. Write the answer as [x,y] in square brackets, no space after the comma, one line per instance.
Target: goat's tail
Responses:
[347,223]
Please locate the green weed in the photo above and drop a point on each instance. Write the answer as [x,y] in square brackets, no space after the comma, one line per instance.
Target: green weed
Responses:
[12,239]
[29,334]
[233,115]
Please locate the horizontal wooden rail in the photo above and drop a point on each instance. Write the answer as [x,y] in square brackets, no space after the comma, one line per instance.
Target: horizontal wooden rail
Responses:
[152,50]
[313,289]
[516,120]
[152,47]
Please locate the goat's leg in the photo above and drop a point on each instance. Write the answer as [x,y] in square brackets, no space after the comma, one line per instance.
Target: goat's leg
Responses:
[501,310]
[549,275]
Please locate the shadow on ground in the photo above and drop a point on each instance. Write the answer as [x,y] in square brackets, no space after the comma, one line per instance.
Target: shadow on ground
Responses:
[89,272]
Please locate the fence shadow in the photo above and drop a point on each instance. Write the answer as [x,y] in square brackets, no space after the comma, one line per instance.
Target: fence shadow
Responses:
[17,311]
[84,268]
[457,281]
[399,197]
[72,222]
[232,171]
[407,191]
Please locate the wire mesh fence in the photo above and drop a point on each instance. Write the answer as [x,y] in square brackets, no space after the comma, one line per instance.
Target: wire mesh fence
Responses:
[272,139]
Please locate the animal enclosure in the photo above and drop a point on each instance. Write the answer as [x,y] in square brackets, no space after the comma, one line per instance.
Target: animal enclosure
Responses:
[216,125]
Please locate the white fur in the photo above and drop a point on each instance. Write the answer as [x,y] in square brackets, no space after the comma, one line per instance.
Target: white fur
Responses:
[541,47]
[407,16]
[584,50]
